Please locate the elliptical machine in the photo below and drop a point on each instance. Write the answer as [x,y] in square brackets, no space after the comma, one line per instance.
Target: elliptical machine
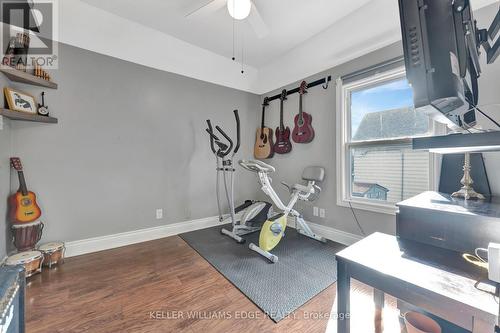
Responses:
[253,213]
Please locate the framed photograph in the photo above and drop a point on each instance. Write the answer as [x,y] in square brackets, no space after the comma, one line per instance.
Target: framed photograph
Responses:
[20,101]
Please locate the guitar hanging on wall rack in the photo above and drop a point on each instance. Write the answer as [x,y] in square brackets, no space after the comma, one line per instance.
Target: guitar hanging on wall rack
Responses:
[23,207]
[283,144]
[264,139]
[303,132]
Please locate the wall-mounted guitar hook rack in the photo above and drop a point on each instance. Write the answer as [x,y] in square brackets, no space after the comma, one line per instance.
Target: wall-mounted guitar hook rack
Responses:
[323,82]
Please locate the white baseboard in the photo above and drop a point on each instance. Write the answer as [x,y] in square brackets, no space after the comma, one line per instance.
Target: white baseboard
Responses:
[89,245]
[330,233]
[335,235]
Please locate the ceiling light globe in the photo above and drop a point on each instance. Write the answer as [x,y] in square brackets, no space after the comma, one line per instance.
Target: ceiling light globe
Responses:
[239,9]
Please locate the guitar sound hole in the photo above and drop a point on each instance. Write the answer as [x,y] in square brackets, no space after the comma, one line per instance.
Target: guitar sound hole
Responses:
[26,202]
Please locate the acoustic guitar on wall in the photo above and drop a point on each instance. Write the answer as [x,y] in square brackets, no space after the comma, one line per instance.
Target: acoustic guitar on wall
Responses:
[303,132]
[283,144]
[23,207]
[264,138]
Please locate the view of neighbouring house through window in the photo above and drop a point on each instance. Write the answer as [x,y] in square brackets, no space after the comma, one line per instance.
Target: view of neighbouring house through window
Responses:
[388,171]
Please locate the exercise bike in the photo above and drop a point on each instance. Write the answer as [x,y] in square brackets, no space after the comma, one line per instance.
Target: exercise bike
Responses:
[253,213]
[273,229]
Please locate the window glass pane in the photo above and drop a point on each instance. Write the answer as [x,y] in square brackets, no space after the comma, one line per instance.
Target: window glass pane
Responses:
[388,173]
[386,111]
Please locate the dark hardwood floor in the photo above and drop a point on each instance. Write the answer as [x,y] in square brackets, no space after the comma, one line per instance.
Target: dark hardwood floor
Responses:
[161,286]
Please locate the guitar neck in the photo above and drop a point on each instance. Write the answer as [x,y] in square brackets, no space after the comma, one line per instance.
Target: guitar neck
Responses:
[22,183]
[263,115]
[300,106]
[282,126]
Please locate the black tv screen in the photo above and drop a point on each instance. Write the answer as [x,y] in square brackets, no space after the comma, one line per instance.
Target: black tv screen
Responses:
[437,59]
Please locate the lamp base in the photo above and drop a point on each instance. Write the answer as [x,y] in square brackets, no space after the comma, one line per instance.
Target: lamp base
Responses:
[468,193]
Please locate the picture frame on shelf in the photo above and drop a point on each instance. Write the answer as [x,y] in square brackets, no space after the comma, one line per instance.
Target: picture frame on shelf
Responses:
[20,101]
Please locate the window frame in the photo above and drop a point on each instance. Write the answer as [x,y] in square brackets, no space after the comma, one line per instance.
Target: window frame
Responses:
[344,143]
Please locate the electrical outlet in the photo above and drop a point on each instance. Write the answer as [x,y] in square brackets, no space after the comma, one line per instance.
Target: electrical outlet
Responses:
[322,213]
[315,211]
[159,213]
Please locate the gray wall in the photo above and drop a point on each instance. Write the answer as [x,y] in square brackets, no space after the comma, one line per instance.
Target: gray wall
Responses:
[130,139]
[489,99]
[322,151]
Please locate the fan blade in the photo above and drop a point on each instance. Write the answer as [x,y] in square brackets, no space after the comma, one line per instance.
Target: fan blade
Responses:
[257,23]
[206,9]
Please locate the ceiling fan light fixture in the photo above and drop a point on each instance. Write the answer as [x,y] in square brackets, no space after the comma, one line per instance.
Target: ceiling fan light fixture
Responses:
[239,9]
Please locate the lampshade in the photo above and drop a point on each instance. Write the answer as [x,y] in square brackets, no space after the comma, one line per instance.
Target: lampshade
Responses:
[239,9]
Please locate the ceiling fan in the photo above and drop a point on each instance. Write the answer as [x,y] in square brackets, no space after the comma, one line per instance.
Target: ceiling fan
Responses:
[238,9]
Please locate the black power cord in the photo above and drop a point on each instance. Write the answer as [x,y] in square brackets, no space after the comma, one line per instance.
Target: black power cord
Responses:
[484,114]
[356,218]
[475,107]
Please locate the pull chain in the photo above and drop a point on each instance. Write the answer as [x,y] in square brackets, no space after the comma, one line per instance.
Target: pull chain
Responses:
[242,51]
[234,58]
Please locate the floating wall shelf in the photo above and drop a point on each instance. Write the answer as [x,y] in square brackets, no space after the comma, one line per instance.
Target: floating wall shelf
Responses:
[459,143]
[23,77]
[24,116]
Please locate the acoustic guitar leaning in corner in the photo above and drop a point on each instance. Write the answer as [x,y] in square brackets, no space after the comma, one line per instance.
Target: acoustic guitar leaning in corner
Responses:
[283,144]
[264,138]
[22,204]
[303,132]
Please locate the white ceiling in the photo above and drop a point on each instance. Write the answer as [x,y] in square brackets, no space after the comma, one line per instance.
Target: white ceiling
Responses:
[291,22]
[306,37]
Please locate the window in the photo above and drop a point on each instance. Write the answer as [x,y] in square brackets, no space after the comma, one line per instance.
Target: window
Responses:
[378,167]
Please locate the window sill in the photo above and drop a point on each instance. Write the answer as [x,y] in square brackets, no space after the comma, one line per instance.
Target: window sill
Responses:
[389,209]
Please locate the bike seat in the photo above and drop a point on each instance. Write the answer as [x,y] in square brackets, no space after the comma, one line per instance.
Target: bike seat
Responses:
[313,174]
[256,166]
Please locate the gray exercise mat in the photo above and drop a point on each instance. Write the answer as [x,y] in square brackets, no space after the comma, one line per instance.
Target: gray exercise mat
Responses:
[305,268]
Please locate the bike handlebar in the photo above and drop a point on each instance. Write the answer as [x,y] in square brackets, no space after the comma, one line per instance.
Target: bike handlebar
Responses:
[256,166]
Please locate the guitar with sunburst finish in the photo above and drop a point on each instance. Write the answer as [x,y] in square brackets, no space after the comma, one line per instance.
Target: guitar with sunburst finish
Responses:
[23,207]
[264,138]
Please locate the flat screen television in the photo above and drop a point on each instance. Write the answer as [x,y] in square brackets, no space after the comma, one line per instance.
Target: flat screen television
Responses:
[441,59]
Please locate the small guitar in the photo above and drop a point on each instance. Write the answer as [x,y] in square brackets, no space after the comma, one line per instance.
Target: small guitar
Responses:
[264,139]
[22,204]
[43,109]
[303,132]
[283,144]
